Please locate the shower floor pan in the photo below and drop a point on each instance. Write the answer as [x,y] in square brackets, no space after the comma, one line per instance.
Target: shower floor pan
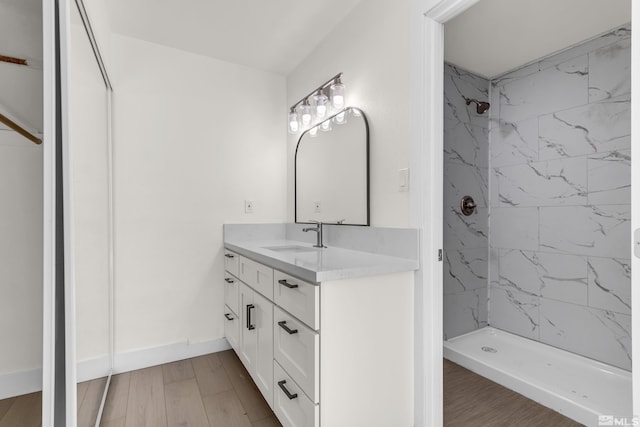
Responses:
[577,387]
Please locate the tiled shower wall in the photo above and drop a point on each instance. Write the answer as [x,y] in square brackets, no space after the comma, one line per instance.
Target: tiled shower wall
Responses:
[559,201]
[466,166]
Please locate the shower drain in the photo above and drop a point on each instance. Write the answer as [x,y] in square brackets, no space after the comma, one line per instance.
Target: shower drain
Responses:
[489,349]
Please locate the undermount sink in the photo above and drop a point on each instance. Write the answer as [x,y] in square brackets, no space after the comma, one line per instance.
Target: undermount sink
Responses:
[291,249]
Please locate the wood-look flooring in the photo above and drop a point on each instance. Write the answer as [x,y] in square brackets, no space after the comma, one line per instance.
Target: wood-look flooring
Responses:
[21,411]
[208,391]
[472,400]
[216,391]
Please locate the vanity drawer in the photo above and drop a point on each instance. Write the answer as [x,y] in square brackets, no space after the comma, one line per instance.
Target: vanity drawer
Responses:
[232,327]
[231,293]
[258,276]
[292,407]
[231,262]
[297,349]
[298,297]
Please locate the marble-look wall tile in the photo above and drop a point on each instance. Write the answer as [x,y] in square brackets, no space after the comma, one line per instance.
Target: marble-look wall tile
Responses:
[586,47]
[598,334]
[463,180]
[610,71]
[610,284]
[609,178]
[514,312]
[465,232]
[514,143]
[587,230]
[588,129]
[514,228]
[465,270]
[494,188]
[457,85]
[464,312]
[561,87]
[551,183]
[561,277]
[466,144]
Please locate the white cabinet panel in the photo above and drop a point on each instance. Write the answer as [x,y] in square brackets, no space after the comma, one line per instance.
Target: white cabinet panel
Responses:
[298,297]
[292,407]
[231,293]
[231,262]
[256,342]
[232,327]
[258,276]
[297,348]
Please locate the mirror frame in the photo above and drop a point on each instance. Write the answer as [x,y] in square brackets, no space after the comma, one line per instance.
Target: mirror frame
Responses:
[367,164]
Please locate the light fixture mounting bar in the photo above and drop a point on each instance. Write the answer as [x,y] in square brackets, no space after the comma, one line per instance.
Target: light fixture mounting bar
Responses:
[322,87]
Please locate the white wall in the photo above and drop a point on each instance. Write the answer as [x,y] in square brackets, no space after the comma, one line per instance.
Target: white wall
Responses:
[21,207]
[371,47]
[194,138]
[20,253]
[20,86]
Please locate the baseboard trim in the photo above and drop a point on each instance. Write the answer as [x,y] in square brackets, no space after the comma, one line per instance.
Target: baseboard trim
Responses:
[18,383]
[93,368]
[144,358]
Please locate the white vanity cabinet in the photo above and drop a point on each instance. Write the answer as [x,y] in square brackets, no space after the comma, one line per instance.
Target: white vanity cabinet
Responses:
[335,353]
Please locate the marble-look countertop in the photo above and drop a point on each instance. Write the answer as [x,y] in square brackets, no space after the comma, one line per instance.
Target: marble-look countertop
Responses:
[318,265]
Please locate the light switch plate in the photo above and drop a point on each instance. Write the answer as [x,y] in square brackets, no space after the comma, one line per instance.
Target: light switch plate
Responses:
[248,206]
[636,243]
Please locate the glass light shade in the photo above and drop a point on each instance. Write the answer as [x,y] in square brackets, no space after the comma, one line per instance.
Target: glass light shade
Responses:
[322,105]
[337,95]
[341,118]
[294,124]
[314,131]
[326,125]
[305,113]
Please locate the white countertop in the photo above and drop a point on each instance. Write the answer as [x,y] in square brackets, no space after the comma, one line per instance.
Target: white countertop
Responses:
[318,265]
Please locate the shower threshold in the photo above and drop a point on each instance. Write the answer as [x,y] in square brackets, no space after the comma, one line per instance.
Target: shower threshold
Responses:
[577,387]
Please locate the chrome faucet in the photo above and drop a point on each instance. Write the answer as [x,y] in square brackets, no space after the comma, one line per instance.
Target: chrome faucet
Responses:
[318,230]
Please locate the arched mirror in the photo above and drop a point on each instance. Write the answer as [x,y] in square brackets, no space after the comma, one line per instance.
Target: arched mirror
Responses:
[332,171]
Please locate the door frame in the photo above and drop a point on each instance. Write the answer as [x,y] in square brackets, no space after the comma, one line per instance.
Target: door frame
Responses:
[426,146]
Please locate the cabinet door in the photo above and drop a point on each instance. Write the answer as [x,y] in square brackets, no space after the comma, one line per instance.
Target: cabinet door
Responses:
[263,373]
[248,338]
[256,339]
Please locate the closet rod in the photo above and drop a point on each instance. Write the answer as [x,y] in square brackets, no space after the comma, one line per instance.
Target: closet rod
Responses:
[13,125]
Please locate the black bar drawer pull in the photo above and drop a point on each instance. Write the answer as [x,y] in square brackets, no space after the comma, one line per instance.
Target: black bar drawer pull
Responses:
[228,280]
[284,282]
[283,325]
[284,389]
[228,316]
[249,323]
[229,256]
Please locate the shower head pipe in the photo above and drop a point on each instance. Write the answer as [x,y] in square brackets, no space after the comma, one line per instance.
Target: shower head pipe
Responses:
[481,106]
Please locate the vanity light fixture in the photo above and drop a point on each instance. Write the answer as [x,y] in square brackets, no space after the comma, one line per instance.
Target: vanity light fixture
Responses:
[312,110]
[314,131]
[294,122]
[322,104]
[305,112]
[337,94]
[326,125]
